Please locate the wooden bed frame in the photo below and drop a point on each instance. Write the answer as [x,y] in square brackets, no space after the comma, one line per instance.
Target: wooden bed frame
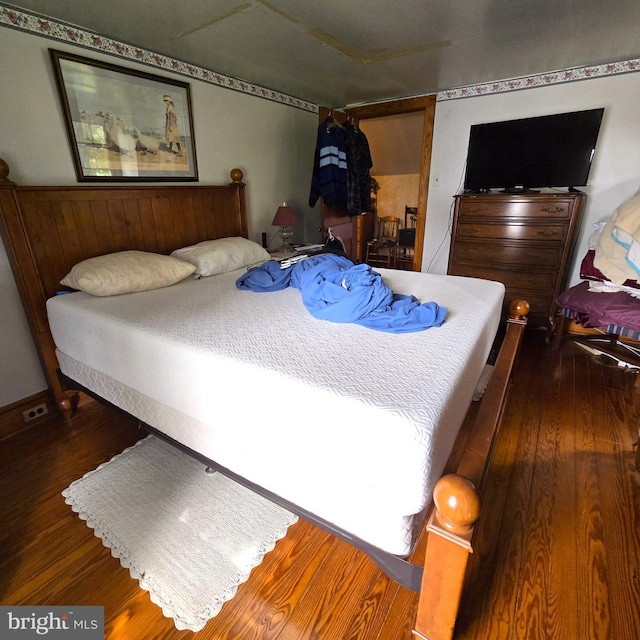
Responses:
[46,230]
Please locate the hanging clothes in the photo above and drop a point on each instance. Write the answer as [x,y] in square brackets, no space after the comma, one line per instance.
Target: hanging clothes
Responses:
[329,178]
[359,165]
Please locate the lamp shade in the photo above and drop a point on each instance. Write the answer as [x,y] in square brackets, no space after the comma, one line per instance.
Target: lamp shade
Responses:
[284,217]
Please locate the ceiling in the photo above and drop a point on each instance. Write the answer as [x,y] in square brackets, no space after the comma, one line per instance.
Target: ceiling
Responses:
[345,52]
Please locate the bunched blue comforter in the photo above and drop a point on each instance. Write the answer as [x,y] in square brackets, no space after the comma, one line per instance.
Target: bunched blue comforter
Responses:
[335,289]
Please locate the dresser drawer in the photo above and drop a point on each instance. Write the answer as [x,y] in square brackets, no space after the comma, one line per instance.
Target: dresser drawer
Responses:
[507,254]
[505,208]
[522,240]
[542,280]
[545,232]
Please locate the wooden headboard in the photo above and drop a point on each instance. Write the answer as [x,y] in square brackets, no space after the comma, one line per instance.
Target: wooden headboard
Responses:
[46,230]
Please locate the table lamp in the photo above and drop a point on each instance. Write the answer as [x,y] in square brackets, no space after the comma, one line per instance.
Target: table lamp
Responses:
[285,219]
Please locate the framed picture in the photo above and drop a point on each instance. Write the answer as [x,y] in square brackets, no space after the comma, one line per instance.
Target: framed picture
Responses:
[125,125]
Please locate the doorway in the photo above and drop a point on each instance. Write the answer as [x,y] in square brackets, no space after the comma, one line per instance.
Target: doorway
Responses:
[424,104]
[395,142]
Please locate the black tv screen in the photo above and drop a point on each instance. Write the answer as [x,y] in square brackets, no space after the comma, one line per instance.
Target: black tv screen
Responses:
[545,151]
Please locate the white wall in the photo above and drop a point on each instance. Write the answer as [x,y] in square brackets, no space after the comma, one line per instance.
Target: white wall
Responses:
[615,172]
[272,143]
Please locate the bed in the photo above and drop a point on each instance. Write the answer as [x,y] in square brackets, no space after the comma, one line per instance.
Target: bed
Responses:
[349,427]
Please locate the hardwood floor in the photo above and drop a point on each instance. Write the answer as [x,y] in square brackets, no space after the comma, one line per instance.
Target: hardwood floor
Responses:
[557,555]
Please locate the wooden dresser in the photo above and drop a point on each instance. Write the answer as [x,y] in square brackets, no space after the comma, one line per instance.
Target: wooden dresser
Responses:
[523,240]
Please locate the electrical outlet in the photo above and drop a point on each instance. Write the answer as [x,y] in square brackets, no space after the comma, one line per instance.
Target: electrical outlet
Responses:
[35,412]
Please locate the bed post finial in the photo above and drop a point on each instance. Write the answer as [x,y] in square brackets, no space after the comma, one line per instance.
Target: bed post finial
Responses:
[457,503]
[4,171]
[236,176]
[518,309]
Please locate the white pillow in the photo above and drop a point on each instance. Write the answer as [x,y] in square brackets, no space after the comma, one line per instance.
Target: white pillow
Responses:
[126,272]
[220,256]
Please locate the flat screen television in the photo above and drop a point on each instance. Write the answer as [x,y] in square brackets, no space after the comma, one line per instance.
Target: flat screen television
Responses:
[545,151]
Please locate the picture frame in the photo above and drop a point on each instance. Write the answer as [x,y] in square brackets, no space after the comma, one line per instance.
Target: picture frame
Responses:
[125,125]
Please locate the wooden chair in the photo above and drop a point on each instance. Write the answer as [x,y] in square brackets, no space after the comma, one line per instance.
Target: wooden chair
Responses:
[382,250]
[406,246]
[407,239]
[410,217]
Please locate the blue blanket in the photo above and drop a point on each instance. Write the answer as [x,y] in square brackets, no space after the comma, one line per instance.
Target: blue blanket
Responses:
[335,289]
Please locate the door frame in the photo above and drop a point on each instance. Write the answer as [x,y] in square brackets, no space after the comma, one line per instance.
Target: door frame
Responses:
[410,105]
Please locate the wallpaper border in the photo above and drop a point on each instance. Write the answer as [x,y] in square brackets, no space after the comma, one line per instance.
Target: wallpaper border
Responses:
[542,80]
[23,20]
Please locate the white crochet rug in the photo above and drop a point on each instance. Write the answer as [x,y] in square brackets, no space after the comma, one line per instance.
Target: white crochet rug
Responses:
[190,538]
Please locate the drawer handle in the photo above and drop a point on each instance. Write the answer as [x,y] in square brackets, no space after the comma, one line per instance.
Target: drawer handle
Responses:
[549,234]
[552,209]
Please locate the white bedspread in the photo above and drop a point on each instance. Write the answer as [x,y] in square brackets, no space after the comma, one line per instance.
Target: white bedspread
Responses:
[351,424]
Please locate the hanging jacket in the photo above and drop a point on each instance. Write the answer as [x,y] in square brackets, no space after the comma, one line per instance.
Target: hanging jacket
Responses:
[329,178]
[359,165]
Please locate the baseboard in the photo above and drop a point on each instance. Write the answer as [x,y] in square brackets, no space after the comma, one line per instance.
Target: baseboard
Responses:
[11,419]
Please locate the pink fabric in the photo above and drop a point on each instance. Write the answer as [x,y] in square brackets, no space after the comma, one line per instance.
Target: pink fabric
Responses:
[601,309]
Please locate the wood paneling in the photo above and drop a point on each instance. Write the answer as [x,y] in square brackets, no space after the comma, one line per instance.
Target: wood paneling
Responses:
[46,230]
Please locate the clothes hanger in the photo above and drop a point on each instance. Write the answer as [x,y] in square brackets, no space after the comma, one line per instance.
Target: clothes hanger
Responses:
[330,121]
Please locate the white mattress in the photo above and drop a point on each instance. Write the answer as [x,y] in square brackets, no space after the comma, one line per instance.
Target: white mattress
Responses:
[352,424]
